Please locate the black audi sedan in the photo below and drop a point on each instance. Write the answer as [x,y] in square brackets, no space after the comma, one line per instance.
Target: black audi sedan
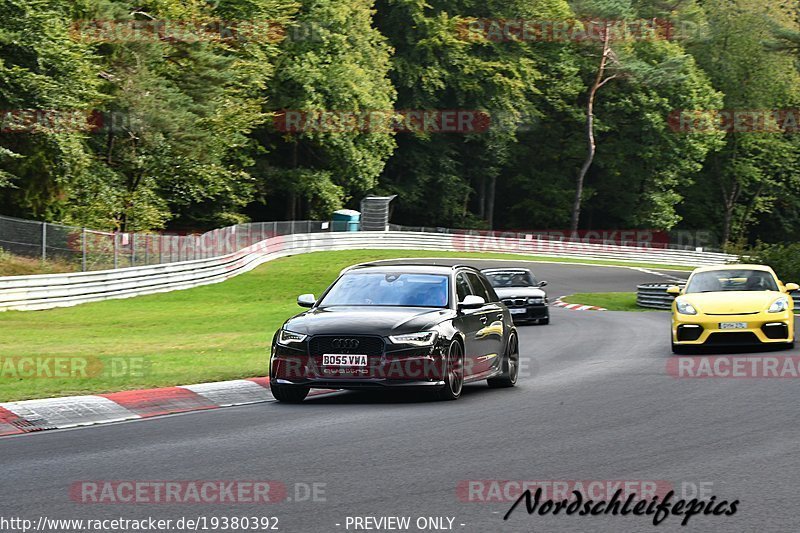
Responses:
[414,326]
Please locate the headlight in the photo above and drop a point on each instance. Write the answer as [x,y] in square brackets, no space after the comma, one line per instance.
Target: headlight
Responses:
[286,337]
[779,305]
[537,300]
[423,338]
[685,308]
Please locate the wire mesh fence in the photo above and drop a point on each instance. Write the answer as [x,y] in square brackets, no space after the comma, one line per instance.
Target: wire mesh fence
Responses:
[85,249]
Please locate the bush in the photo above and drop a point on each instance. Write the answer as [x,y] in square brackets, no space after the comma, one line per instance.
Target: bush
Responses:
[783,258]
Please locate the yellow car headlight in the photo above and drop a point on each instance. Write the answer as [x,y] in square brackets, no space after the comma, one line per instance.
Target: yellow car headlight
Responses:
[685,308]
[780,305]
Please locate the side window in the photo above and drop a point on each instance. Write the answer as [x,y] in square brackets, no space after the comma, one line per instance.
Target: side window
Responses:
[489,290]
[462,287]
[477,287]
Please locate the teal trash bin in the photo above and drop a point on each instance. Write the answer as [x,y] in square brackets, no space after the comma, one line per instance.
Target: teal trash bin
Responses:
[346,220]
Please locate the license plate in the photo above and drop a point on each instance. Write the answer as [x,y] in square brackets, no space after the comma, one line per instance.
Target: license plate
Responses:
[733,325]
[518,311]
[344,360]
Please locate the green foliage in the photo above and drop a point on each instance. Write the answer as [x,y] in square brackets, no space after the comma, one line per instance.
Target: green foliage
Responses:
[333,60]
[189,137]
[783,258]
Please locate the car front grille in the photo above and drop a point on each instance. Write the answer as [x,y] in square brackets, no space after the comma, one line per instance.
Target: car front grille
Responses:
[740,337]
[367,345]
[522,302]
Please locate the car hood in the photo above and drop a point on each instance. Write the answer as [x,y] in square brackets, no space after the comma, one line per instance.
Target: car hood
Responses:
[731,302]
[366,320]
[519,292]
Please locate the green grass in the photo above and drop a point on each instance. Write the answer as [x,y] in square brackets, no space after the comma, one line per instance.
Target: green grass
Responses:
[613,301]
[209,333]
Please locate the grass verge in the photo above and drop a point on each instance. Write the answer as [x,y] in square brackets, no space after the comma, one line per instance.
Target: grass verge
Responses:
[613,301]
[209,333]
[16,265]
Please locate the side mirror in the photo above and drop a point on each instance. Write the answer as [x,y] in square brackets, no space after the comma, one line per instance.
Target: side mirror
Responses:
[542,283]
[306,300]
[791,287]
[471,302]
[674,290]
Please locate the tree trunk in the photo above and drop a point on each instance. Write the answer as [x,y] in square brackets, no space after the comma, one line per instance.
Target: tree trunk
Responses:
[291,206]
[599,81]
[490,201]
[482,197]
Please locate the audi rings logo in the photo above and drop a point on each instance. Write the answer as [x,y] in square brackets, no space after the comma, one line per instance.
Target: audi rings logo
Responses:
[345,344]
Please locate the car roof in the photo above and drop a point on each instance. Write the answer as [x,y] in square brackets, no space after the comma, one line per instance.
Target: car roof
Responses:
[735,266]
[412,268]
[509,269]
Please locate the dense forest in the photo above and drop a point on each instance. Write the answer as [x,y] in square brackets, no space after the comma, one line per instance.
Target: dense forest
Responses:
[593,114]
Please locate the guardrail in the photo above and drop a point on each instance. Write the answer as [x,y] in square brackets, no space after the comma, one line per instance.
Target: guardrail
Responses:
[654,296]
[60,290]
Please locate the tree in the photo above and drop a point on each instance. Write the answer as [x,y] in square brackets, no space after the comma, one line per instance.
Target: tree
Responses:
[48,90]
[333,60]
[753,168]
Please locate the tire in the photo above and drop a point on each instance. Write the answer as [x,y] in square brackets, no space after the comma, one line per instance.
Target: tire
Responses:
[545,321]
[789,345]
[454,375]
[510,366]
[288,393]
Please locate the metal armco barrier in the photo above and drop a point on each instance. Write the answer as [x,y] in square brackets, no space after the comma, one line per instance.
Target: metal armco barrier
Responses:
[654,295]
[60,290]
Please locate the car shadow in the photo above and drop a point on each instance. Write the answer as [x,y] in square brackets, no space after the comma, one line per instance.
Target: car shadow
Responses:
[735,350]
[391,396]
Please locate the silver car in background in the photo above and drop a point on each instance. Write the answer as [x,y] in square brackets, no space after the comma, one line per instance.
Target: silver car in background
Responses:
[519,290]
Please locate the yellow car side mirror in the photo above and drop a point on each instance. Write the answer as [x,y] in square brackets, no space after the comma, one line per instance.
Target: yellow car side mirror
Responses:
[791,287]
[674,290]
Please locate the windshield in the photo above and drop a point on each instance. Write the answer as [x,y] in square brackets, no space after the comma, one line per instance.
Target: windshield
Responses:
[732,280]
[511,278]
[394,289]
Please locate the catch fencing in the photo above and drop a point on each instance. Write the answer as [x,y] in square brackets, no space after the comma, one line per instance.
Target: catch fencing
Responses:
[85,249]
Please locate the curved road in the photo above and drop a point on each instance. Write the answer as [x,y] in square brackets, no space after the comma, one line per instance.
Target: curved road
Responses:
[594,402]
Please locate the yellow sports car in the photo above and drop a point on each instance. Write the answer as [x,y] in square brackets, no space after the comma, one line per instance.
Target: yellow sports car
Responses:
[730,305]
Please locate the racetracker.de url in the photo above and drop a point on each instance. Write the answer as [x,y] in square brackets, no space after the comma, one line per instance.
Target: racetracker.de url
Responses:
[130,525]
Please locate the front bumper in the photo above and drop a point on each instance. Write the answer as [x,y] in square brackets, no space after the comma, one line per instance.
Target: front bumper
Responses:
[421,366]
[358,384]
[530,312]
[761,328]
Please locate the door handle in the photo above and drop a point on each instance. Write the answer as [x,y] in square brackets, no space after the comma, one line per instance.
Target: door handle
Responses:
[484,320]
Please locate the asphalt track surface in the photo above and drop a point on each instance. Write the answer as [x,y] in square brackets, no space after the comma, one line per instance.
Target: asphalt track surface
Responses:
[594,402]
